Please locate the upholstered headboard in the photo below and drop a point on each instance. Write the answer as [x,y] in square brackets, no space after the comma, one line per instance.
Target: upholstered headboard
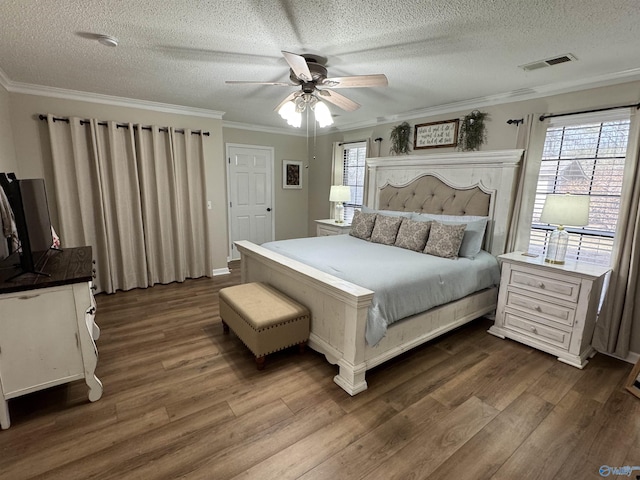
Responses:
[429,194]
[455,183]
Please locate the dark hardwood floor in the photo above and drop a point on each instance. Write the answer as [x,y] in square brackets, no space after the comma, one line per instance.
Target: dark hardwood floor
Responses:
[182,400]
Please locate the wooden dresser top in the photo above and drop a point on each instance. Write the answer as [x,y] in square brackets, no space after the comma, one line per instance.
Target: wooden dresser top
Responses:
[69,265]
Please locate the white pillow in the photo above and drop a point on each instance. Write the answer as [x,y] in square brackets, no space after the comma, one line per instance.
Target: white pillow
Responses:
[388,213]
[473,233]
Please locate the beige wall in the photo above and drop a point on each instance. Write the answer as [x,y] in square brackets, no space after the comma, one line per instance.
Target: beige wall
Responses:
[291,209]
[31,147]
[7,149]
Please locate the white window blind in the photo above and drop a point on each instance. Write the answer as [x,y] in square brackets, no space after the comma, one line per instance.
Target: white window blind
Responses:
[583,159]
[353,169]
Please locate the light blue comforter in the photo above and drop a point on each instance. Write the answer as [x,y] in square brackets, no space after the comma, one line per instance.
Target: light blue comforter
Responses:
[404,282]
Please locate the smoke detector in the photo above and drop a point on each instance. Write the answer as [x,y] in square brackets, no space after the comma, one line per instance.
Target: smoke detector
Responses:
[108,40]
[549,62]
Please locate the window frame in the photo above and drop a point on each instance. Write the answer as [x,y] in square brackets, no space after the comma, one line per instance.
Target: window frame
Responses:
[586,233]
[339,174]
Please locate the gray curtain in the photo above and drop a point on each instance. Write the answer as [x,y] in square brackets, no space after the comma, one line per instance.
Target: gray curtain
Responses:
[530,137]
[136,196]
[619,309]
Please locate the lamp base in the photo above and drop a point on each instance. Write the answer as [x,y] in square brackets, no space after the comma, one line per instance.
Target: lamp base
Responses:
[339,212]
[554,262]
[557,246]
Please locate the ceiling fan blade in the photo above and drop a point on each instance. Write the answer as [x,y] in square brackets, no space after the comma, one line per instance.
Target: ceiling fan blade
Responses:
[289,97]
[339,100]
[376,80]
[242,82]
[299,66]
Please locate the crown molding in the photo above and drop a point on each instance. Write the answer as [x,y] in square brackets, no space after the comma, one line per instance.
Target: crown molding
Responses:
[509,97]
[54,92]
[264,129]
[474,103]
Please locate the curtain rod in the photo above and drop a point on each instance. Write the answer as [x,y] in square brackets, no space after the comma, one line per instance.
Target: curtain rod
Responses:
[124,125]
[352,141]
[551,115]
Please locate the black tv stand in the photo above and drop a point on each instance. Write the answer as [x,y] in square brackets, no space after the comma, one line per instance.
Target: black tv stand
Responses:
[35,271]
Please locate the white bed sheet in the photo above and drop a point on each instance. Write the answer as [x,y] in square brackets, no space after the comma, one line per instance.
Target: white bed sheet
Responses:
[404,282]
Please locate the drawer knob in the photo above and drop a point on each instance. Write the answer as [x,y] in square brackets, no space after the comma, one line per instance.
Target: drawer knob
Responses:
[540,285]
[537,308]
[534,330]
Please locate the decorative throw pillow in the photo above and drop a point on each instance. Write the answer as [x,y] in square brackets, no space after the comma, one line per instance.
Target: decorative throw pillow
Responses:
[362,225]
[413,235]
[445,240]
[473,234]
[385,229]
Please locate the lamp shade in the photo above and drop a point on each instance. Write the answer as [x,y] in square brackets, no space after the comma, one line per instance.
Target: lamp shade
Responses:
[340,193]
[566,209]
[323,115]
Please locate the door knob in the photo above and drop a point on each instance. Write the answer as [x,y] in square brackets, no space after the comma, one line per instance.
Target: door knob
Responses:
[268,209]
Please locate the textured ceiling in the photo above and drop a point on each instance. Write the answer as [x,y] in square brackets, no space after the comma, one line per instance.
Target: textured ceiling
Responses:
[434,52]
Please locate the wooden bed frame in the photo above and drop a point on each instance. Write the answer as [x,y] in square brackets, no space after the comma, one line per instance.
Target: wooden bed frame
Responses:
[339,308]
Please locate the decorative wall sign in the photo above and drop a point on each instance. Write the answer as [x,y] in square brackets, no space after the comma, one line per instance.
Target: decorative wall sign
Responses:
[436,134]
[291,174]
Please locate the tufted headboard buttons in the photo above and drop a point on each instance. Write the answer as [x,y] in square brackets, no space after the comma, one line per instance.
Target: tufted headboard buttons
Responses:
[429,194]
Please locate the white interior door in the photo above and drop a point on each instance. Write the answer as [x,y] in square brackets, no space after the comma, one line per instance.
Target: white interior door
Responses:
[250,181]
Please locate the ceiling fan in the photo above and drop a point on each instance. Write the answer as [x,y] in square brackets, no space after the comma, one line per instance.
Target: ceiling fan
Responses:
[307,72]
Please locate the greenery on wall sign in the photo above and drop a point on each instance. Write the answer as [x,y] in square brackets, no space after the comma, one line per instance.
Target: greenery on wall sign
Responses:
[472,131]
[400,139]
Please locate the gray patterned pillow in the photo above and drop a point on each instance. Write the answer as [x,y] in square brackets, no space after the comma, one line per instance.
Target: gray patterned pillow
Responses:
[386,229]
[362,225]
[413,235]
[445,240]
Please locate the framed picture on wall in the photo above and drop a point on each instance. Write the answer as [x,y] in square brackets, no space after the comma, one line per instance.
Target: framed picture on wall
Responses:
[291,174]
[436,134]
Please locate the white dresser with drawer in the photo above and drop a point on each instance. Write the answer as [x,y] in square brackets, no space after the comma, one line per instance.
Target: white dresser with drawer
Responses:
[47,327]
[549,307]
[331,227]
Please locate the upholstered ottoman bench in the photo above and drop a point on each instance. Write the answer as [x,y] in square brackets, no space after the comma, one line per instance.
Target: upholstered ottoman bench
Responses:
[264,319]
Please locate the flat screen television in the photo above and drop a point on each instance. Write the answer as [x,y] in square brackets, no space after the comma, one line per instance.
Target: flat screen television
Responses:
[28,200]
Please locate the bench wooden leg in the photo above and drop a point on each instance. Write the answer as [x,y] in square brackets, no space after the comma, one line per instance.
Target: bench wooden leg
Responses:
[302,346]
[260,362]
[225,327]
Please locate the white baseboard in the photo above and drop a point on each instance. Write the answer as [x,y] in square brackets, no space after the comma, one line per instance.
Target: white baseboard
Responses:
[632,357]
[221,271]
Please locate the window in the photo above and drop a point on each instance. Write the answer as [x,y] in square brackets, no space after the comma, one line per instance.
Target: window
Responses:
[584,159]
[351,172]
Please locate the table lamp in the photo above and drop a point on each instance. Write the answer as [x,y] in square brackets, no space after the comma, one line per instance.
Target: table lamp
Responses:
[340,194]
[561,210]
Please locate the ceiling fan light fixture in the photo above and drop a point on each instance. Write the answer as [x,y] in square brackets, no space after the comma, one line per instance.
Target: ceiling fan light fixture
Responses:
[287,109]
[323,115]
[291,110]
[290,113]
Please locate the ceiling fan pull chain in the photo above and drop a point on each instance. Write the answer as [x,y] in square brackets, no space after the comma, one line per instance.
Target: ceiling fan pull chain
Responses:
[315,127]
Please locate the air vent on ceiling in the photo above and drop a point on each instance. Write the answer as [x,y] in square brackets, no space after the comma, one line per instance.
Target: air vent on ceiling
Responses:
[549,62]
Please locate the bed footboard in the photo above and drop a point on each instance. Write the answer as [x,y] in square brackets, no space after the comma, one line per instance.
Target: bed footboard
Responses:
[338,308]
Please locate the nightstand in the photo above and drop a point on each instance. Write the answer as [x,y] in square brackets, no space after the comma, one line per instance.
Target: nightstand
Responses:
[549,307]
[330,227]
